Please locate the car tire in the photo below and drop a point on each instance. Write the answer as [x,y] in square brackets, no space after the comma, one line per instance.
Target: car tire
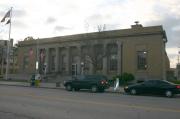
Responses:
[169,93]
[68,87]
[133,91]
[76,89]
[94,89]
[102,90]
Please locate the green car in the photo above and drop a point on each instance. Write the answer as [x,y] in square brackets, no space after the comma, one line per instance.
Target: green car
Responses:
[157,87]
[96,83]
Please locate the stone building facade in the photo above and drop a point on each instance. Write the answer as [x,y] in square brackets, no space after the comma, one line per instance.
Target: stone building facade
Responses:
[138,50]
[177,71]
[3,57]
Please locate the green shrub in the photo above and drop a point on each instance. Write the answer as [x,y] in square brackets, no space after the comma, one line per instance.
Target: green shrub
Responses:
[175,81]
[125,78]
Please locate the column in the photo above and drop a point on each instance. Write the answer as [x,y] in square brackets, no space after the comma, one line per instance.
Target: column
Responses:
[91,67]
[68,60]
[79,68]
[105,60]
[47,60]
[57,60]
[38,59]
[119,57]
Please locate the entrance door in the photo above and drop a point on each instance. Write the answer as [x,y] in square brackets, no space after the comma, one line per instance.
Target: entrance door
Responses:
[74,70]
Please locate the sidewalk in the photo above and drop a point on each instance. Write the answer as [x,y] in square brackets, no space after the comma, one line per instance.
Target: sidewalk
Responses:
[52,86]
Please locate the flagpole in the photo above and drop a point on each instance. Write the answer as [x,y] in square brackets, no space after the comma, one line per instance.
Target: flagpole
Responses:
[8,46]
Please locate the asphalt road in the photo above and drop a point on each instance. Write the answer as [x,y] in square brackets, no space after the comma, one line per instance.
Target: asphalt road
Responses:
[41,103]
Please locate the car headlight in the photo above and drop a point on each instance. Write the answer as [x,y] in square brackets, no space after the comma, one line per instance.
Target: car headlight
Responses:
[126,87]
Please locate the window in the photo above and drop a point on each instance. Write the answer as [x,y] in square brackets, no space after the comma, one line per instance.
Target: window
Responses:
[25,62]
[53,63]
[113,62]
[99,62]
[141,60]
[112,50]
[52,59]
[63,63]
[98,51]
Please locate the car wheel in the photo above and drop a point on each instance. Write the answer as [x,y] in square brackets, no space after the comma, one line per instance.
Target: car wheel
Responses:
[133,92]
[169,93]
[101,90]
[69,87]
[76,89]
[94,88]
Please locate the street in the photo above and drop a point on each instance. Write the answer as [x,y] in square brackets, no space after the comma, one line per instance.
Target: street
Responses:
[43,103]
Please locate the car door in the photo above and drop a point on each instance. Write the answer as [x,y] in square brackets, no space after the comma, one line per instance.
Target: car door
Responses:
[162,87]
[83,82]
[149,87]
[78,82]
[88,81]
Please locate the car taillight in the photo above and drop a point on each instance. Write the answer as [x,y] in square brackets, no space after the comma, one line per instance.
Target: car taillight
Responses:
[103,82]
[178,87]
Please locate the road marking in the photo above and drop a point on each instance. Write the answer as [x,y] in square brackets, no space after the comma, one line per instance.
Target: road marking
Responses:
[95,103]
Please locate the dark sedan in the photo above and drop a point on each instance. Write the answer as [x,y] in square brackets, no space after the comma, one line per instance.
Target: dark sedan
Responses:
[159,87]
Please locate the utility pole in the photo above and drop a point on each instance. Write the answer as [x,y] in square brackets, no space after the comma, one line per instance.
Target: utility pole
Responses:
[178,65]
[37,56]
[178,54]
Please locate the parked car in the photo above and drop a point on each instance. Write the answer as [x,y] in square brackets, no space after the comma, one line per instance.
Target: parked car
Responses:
[160,87]
[93,82]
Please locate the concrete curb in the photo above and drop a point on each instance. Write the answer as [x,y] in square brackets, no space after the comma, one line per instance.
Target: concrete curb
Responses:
[52,86]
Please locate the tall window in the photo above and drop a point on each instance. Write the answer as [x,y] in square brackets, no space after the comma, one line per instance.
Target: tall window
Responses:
[98,51]
[52,59]
[141,60]
[53,63]
[99,59]
[113,62]
[85,52]
[112,56]
[63,63]
[25,61]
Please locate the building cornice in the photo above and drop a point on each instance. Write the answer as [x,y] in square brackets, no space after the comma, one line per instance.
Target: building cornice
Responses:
[153,30]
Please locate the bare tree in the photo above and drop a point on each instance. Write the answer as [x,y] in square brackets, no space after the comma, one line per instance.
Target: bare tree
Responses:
[101,27]
[94,54]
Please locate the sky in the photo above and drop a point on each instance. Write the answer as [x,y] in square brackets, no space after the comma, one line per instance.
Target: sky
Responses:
[50,18]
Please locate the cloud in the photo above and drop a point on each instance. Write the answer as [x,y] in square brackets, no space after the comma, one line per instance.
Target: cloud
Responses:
[60,28]
[50,20]
[19,13]
[95,19]
[19,24]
